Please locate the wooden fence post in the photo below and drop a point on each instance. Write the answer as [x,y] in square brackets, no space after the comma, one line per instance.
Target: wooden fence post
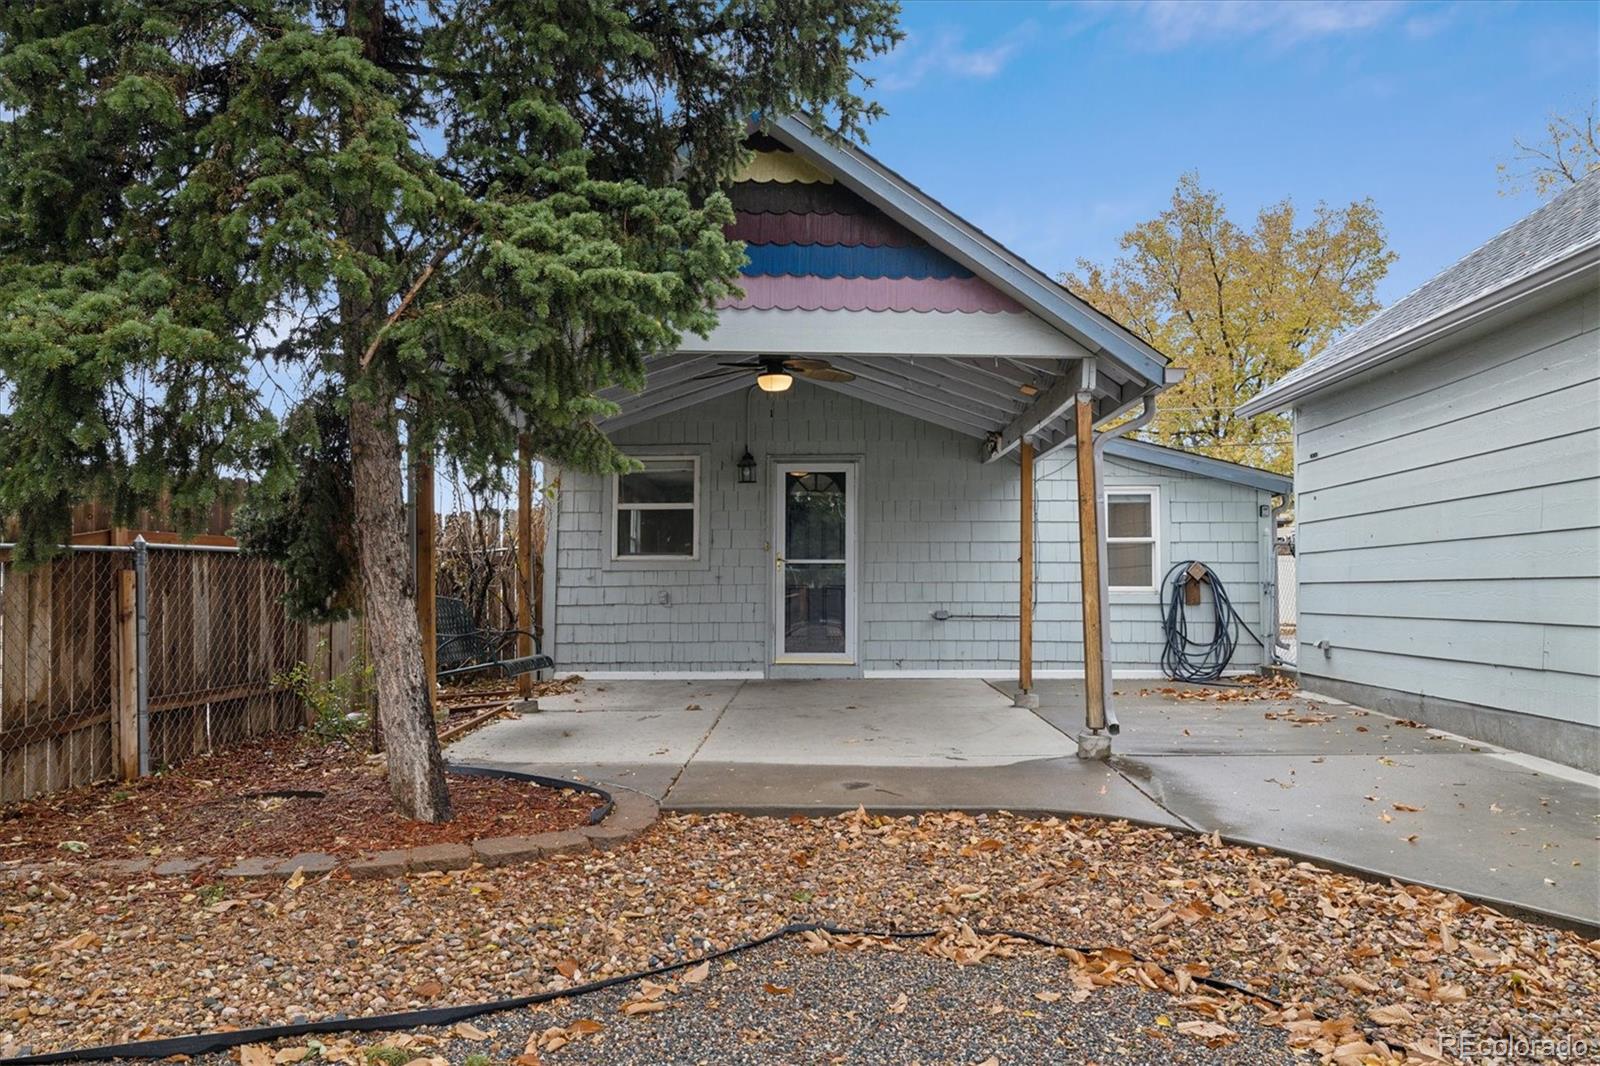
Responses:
[127,679]
[524,560]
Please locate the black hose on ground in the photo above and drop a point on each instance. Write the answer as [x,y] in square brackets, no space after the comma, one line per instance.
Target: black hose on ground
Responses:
[207,1043]
[1182,657]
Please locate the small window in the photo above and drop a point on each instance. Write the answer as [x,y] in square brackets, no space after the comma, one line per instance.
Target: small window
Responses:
[657,510]
[1131,540]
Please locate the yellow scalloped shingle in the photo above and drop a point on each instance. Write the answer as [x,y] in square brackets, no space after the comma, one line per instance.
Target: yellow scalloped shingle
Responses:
[782,166]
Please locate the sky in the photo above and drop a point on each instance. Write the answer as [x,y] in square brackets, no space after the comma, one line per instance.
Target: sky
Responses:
[1057,127]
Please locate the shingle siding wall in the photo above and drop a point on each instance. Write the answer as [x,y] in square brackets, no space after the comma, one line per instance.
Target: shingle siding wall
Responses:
[938,531]
[1447,520]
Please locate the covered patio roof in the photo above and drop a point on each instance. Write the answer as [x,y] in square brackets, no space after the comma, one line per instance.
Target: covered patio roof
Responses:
[996,400]
[988,346]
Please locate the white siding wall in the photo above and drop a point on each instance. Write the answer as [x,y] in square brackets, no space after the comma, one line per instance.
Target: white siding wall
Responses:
[939,530]
[1447,516]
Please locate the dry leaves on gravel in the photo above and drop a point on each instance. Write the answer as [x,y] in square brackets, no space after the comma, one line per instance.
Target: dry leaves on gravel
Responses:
[134,959]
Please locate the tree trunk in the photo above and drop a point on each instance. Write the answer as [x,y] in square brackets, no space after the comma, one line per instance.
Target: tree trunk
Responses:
[416,768]
[388,587]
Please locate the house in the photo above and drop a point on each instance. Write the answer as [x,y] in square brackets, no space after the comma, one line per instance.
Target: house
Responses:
[852,474]
[1448,493]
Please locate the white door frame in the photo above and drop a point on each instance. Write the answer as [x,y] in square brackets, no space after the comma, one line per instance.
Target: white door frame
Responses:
[851,468]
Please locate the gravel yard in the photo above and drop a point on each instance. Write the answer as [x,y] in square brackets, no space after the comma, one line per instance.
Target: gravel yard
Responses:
[893,1004]
[88,961]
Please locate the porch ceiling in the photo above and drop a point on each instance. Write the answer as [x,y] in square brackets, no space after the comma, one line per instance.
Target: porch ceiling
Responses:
[979,396]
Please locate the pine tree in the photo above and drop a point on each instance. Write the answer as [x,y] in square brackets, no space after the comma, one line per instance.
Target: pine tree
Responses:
[270,237]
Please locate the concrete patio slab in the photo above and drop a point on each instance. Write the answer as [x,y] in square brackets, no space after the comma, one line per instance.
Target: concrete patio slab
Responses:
[1035,786]
[642,750]
[1293,774]
[848,723]
[1157,723]
[1487,827]
[653,696]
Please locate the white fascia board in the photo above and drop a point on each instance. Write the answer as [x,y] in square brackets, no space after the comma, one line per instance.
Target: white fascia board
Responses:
[907,334]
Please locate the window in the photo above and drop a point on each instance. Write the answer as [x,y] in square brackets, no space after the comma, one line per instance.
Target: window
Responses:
[657,510]
[1131,539]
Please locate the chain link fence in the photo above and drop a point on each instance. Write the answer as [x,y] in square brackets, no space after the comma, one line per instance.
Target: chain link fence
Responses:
[117,661]
[1288,642]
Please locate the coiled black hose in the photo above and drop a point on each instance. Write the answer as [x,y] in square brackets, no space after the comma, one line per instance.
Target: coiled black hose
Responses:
[1186,659]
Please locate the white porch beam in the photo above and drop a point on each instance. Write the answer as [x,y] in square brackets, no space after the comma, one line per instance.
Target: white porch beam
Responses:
[1045,408]
[942,414]
[900,376]
[953,373]
[676,399]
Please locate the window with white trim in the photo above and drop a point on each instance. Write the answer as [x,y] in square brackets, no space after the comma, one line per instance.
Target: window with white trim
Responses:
[657,510]
[1131,540]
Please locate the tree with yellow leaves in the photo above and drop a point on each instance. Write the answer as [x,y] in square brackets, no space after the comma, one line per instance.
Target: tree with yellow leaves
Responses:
[1238,308]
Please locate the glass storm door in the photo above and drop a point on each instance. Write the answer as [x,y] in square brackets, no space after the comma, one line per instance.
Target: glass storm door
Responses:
[814,557]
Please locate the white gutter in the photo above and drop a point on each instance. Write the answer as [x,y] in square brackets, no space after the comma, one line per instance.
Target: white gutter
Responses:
[1278,397]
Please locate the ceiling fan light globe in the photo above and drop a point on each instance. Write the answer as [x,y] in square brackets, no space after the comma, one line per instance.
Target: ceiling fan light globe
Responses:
[774,381]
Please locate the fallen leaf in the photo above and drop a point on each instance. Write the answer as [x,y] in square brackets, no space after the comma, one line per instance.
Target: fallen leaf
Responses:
[255,1055]
[1405,807]
[643,1006]
[296,879]
[777,990]
[1047,997]
[696,974]
[900,1003]
[1355,982]
[290,1054]
[82,941]
[585,1027]
[468,1031]
[1392,1015]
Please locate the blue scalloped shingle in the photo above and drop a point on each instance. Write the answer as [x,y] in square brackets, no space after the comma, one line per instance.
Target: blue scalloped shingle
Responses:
[850,261]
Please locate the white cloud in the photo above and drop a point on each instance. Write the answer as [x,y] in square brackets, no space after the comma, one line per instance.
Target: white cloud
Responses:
[1169,24]
[946,53]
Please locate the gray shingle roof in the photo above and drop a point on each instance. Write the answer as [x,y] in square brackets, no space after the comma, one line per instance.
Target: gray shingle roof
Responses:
[1565,226]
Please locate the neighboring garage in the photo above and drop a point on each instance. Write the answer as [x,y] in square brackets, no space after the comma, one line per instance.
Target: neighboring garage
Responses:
[1448,479]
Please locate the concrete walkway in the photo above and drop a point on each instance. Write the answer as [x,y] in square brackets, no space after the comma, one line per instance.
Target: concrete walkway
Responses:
[1309,776]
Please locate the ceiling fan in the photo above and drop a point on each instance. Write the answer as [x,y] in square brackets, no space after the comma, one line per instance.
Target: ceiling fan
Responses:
[774,373]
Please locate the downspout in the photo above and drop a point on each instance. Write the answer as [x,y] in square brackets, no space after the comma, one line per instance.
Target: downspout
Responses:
[1101,439]
[1275,600]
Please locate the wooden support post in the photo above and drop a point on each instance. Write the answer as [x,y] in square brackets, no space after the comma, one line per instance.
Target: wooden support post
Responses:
[127,679]
[1094,699]
[1025,576]
[524,561]
[427,576]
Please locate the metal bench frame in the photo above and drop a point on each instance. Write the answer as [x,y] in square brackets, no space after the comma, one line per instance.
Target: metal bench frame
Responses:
[463,648]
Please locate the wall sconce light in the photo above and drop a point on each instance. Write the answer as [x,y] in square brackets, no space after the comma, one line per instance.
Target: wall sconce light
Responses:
[747,468]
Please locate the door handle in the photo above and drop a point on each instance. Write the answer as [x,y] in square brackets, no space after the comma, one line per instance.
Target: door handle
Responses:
[777,562]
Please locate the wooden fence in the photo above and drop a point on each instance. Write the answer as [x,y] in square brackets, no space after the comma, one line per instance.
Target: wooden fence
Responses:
[218,636]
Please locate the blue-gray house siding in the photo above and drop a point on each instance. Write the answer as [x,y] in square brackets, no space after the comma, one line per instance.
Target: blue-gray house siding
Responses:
[938,532]
[1449,535]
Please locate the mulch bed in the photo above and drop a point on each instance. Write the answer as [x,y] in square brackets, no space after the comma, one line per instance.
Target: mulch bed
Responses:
[86,959]
[279,795]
